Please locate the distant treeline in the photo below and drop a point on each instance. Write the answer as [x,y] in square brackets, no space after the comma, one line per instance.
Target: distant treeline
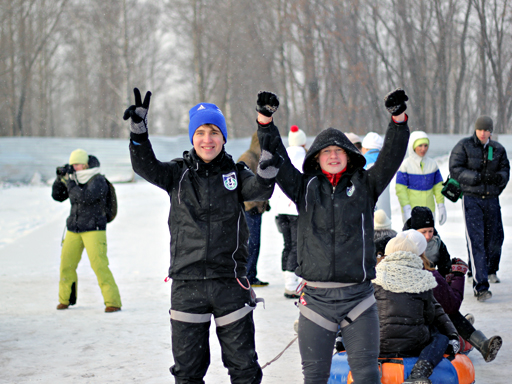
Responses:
[68,67]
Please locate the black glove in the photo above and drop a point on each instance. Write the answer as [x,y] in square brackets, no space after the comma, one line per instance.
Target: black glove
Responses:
[270,160]
[63,171]
[138,113]
[453,345]
[395,101]
[267,103]
[491,178]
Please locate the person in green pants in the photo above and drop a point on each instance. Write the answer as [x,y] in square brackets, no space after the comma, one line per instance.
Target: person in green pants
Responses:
[87,190]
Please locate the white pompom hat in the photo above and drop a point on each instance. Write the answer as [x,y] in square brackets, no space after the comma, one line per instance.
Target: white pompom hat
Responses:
[373,141]
[409,241]
[296,137]
[381,220]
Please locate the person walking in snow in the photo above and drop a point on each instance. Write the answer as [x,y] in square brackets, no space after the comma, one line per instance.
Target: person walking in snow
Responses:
[371,147]
[286,219]
[253,212]
[87,190]
[482,168]
[419,180]
[335,199]
[209,238]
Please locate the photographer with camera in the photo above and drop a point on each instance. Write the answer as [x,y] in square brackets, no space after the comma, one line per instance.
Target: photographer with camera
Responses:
[87,190]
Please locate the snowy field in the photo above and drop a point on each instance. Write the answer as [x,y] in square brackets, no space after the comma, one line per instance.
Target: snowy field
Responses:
[85,345]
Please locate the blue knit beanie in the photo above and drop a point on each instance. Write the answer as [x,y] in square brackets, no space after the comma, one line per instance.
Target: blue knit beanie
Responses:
[206,113]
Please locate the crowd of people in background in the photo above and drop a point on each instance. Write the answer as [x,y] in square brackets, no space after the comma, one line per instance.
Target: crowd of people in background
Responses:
[376,291]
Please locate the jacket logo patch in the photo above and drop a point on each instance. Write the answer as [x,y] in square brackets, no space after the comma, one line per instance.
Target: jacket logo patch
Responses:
[230,181]
[350,190]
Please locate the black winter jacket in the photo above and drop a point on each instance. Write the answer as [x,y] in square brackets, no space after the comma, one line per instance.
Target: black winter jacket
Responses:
[405,319]
[207,224]
[469,161]
[88,201]
[335,225]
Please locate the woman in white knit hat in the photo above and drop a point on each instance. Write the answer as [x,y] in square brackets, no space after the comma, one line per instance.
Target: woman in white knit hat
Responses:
[286,218]
[412,322]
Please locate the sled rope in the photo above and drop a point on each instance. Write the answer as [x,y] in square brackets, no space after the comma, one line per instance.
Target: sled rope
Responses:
[281,353]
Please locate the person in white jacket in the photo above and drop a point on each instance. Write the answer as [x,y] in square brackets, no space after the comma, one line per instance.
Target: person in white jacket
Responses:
[287,215]
[419,181]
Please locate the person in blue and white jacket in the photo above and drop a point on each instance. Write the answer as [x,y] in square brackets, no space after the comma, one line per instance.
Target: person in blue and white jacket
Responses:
[419,180]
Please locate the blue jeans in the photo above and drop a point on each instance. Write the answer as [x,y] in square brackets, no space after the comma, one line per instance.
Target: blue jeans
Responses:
[433,352]
[254,224]
[484,236]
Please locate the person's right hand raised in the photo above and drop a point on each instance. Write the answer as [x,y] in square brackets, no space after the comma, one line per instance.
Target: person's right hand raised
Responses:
[138,113]
[267,103]
[395,102]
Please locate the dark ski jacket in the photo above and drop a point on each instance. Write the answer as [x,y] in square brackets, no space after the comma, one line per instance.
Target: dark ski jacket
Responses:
[207,224]
[405,320]
[335,225]
[88,201]
[469,161]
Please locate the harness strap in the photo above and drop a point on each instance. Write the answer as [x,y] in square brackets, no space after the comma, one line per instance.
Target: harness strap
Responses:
[190,317]
[328,284]
[317,319]
[358,310]
[233,316]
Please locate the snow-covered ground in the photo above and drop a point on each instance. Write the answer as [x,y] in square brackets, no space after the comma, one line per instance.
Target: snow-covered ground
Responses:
[85,345]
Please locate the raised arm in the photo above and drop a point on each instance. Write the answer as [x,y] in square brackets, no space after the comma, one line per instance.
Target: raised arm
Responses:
[395,143]
[144,161]
[288,178]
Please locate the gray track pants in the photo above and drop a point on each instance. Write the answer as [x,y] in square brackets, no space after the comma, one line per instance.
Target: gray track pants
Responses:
[361,339]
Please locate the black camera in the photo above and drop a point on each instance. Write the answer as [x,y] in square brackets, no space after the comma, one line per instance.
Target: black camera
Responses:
[63,171]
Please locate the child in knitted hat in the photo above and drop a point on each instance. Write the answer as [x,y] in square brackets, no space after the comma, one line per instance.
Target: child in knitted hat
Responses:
[412,323]
[419,180]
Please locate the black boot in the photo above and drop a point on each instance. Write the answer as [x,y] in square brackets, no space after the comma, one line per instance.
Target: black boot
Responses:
[420,373]
[487,347]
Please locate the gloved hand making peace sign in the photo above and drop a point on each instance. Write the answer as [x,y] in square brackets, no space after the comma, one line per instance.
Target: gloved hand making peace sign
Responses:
[138,113]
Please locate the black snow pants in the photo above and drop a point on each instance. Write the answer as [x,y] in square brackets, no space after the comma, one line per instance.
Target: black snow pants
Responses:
[192,304]
[287,225]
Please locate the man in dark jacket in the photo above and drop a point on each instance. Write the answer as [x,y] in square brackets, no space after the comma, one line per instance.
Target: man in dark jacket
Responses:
[87,189]
[208,240]
[482,168]
[253,212]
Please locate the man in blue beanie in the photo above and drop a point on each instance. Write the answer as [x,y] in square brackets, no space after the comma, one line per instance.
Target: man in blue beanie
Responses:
[209,238]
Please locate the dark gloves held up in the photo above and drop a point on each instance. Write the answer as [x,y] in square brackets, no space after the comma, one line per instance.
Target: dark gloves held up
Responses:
[395,101]
[270,160]
[138,113]
[267,103]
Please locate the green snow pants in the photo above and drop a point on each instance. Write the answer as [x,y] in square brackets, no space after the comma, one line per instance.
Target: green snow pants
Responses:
[95,243]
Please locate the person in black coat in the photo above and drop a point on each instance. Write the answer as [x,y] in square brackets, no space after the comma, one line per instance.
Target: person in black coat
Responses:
[335,199]
[80,181]
[482,168]
[412,322]
[209,238]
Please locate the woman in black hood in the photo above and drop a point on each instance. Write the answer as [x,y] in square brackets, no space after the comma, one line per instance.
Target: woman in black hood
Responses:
[335,198]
